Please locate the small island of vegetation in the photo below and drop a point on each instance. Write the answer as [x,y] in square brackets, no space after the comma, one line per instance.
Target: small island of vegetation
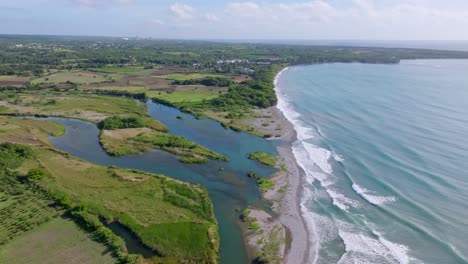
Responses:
[263,158]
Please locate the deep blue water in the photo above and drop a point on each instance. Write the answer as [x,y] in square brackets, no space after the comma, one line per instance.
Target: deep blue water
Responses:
[229,188]
[385,150]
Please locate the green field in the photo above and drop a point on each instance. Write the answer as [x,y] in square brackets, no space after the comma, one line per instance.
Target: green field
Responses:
[111,69]
[130,88]
[183,96]
[92,108]
[57,241]
[183,77]
[78,77]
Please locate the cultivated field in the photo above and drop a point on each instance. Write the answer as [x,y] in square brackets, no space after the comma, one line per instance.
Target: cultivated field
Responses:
[57,241]
[78,77]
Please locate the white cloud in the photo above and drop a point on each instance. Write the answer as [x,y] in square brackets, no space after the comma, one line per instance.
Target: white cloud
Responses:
[321,19]
[211,17]
[244,9]
[182,11]
[93,3]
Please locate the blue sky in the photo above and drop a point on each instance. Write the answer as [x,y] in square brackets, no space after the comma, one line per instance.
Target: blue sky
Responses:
[231,19]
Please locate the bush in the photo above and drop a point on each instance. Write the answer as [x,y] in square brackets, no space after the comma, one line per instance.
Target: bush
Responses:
[36,174]
[12,155]
[117,122]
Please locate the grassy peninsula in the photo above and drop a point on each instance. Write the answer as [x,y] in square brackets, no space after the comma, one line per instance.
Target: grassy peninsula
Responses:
[41,185]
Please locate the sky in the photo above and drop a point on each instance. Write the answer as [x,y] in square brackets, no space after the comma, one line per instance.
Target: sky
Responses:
[231,19]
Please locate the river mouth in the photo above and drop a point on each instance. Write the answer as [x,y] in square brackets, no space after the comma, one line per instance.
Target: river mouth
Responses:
[227,183]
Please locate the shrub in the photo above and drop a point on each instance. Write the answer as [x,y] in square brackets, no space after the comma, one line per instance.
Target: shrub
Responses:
[117,122]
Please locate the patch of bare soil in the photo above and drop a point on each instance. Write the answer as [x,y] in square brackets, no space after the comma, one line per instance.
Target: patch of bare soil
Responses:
[14,83]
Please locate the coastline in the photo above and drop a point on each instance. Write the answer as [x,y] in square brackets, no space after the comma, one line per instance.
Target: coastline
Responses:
[286,222]
[291,214]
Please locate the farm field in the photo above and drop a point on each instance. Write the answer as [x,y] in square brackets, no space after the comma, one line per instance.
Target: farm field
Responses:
[184,96]
[13,80]
[92,108]
[57,241]
[78,77]
[183,77]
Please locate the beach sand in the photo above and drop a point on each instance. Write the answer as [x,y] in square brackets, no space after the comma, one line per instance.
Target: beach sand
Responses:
[290,216]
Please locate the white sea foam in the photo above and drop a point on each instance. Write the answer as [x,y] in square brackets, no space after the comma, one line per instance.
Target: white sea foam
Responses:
[371,197]
[341,201]
[319,156]
[372,250]
[337,157]
[314,160]
[303,133]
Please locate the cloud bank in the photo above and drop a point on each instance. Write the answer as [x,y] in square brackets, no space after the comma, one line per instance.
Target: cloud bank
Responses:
[252,19]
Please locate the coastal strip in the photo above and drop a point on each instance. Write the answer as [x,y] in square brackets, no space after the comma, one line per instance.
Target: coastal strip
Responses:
[287,224]
[291,215]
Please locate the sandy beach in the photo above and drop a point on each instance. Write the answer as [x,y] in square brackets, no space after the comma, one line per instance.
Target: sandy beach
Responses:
[290,212]
[299,251]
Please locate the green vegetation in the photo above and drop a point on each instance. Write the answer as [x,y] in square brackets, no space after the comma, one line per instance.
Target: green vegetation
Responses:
[118,122]
[183,97]
[122,69]
[138,140]
[92,108]
[57,241]
[263,183]
[208,81]
[184,77]
[263,158]
[271,247]
[78,77]
[250,94]
[189,151]
[174,219]
[97,79]
[251,222]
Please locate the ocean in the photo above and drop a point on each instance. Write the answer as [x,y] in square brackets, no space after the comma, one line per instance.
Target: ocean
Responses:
[385,153]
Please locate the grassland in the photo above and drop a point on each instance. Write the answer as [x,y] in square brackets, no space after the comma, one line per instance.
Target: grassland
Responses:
[93,108]
[183,77]
[13,78]
[78,77]
[57,241]
[174,219]
[112,69]
[137,140]
[184,96]
[22,212]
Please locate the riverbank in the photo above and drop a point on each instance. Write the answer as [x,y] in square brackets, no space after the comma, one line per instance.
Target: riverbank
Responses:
[285,197]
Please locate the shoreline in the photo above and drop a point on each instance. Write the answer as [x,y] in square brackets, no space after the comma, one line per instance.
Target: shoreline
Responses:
[294,245]
[300,248]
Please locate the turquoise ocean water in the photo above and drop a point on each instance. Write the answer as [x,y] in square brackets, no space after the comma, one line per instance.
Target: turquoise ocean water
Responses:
[385,152]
